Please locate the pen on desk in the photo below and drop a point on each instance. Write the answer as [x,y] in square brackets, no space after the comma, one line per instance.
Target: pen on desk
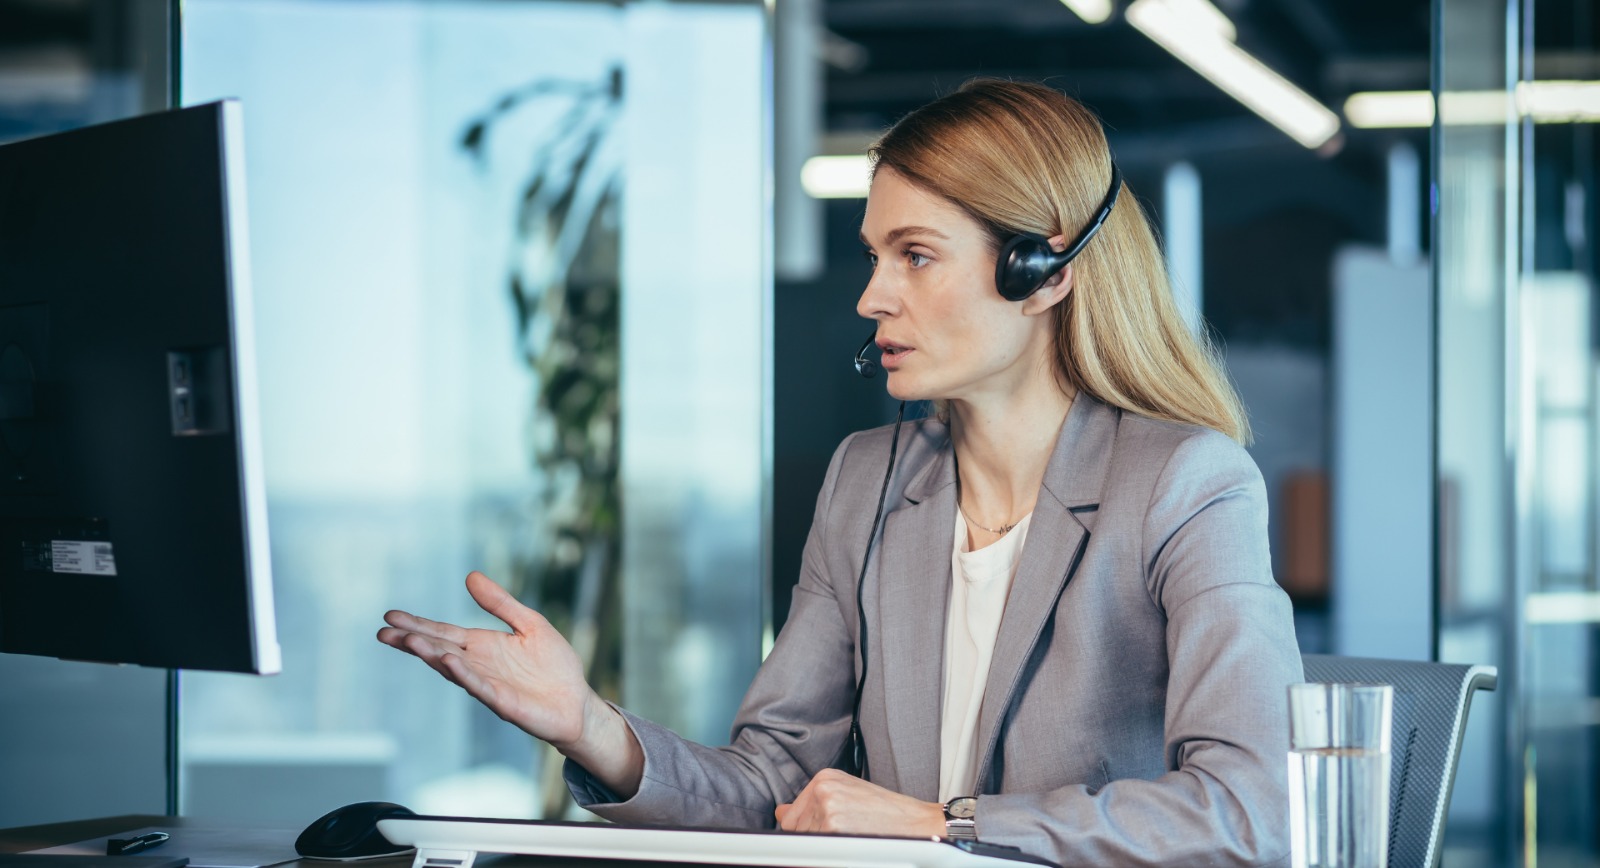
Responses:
[136,844]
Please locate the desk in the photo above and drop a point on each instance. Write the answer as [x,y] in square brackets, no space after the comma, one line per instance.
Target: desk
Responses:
[455,841]
[26,838]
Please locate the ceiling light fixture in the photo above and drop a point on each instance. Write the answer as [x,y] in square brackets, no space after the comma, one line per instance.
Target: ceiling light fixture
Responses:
[847,177]
[1396,109]
[1560,102]
[1545,102]
[1198,34]
[1092,11]
[1202,15]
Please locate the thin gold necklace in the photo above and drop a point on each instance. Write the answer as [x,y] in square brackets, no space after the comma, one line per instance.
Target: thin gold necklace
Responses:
[1000,531]
[1003,529]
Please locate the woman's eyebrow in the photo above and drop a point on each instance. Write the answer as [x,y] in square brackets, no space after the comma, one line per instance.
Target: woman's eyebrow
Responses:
[902,231]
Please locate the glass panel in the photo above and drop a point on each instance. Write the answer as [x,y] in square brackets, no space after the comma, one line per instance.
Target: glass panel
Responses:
[1560,696]
[1517,373]
[481,231]
[697,365]
[1517,424]
[1476,260]
[68,65]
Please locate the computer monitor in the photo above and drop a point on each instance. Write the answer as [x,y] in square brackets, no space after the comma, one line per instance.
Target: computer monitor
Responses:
[133,524]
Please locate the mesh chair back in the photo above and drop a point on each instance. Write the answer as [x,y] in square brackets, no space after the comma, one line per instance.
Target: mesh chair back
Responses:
[1430,717]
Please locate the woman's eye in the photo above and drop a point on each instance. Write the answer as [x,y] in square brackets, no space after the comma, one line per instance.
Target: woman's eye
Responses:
[917,260]
[872,258]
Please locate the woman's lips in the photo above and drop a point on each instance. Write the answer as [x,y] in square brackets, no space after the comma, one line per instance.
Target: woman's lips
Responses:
[894,354]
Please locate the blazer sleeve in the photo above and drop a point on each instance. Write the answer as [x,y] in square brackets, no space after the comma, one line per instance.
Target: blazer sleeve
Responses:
[791,724]
[1231,653]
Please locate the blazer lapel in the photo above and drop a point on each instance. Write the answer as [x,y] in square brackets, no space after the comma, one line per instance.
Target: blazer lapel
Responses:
[913,580]
[1058,535]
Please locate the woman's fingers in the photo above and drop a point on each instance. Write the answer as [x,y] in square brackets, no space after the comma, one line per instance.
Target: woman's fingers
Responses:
[402,640]
[430,652]
[394,637]
[446,658]
[416,624]
[833,801]
[798,816]
[530,676]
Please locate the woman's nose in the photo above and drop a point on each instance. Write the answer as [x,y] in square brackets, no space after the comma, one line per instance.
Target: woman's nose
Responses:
[877,299]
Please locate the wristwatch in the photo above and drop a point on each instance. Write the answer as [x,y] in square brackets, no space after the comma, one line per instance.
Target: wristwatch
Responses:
[959,822]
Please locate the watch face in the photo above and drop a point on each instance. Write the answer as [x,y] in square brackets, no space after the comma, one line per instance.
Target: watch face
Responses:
[963,808]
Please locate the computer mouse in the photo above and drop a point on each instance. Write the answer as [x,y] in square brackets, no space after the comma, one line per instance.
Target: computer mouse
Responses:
[351,832]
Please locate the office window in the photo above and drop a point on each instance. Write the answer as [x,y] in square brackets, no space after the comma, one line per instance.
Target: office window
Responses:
[1517,421]
[496,247]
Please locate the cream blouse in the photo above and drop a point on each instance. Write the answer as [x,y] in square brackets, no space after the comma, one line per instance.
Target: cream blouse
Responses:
[980,581]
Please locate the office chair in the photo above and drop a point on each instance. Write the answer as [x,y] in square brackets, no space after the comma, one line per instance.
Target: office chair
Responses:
[1430,719]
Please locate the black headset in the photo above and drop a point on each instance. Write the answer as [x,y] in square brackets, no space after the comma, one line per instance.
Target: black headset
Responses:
[1025,263]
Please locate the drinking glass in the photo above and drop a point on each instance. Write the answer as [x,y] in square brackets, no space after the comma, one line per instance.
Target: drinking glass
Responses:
[1339,774]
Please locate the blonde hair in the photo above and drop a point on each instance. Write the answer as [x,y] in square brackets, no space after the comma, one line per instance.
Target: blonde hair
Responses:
[1022,157]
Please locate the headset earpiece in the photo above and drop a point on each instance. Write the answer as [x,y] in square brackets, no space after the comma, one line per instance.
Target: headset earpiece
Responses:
[1026,260]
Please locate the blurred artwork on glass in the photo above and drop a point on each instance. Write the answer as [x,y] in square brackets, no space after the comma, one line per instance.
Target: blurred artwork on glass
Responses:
[564,281]
[437,221]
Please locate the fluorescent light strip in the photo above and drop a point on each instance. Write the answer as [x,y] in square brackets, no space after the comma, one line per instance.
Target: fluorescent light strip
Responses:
[1203,16]
[846,177]
[1174,25]
[1550,102]
[1546,102]
[1465,108]
[1092,11]
[1563,607]
[1392,110]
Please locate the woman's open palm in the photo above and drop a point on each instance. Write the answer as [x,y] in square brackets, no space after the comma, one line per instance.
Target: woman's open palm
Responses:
[530,676]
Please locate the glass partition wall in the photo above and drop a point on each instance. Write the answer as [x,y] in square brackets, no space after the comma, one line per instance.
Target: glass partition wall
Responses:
[504,252]
[1517,98]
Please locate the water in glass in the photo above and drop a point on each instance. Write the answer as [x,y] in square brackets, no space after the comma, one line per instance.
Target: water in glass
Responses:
[1338,798]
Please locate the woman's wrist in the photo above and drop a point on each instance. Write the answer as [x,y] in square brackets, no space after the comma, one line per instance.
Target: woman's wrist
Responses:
[606,748]
[934,825]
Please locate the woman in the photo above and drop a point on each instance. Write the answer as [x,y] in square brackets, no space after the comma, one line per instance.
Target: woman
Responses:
[1071,638]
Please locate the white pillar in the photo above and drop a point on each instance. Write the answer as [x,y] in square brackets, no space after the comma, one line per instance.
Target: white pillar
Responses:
[797,104]
[1405,205]
[1181,229]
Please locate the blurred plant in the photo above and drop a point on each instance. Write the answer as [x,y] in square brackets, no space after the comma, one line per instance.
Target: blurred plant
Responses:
[564,280]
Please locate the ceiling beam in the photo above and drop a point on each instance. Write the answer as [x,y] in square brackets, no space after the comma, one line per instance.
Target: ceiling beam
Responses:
[1315,25]
[1085,84]
[1037,16]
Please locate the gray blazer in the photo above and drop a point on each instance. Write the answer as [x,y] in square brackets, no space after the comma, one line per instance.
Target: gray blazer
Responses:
[1135,712]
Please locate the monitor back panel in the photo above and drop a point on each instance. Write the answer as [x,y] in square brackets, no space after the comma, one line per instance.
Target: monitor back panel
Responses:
[124,533]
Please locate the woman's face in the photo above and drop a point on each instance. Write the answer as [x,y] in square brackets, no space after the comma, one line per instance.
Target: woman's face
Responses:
[944,330]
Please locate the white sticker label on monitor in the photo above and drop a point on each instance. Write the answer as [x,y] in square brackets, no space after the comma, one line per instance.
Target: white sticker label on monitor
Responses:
[86,558]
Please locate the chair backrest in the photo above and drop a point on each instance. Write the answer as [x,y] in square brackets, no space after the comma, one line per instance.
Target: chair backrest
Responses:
[1430,717]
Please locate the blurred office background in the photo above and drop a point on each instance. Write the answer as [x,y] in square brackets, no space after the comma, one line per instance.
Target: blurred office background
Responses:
[565,291]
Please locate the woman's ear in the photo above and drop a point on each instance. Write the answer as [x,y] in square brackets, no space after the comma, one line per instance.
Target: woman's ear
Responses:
[1054,289]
